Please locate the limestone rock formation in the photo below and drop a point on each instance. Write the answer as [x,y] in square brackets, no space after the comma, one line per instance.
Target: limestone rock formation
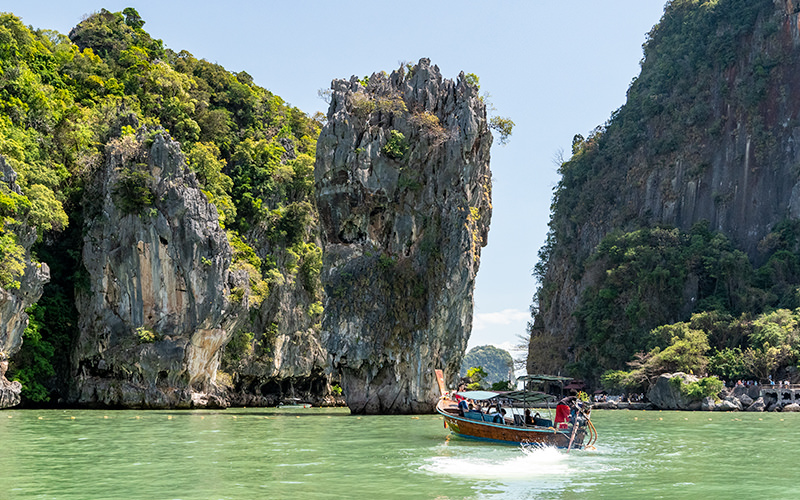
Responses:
[158,306]
[714,139]
[404,195]
[729,404]
[758,405]
[746,392]
[666,395]
[286,358]
[16,298]
[278,354]
[745,400]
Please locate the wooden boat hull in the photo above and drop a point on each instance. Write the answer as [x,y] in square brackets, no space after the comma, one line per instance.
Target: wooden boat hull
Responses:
[510,434]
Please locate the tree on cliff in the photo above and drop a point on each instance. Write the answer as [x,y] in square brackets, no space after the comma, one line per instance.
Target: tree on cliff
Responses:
[477,376]
[502,125]
[132,18]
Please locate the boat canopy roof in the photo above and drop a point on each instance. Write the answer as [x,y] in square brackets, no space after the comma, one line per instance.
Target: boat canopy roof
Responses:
[521,396]
[529,396]
[478,395]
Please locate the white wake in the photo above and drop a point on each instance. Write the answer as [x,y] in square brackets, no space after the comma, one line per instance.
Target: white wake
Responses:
[500,463]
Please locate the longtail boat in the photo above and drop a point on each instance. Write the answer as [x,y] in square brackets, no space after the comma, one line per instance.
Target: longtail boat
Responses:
[293,403]
[513,427]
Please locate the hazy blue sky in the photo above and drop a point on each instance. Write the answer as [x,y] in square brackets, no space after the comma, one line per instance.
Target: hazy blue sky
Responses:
[557,68]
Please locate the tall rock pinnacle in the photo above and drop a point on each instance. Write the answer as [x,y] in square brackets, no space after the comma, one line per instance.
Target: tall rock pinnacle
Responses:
[404,195]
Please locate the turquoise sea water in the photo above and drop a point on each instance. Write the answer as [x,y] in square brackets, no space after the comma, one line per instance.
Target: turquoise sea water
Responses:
[328,453]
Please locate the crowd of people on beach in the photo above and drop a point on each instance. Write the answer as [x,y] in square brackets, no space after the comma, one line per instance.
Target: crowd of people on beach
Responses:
[755,383]
[625,398]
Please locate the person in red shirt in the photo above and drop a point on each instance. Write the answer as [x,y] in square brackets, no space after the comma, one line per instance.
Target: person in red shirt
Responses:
[563,411]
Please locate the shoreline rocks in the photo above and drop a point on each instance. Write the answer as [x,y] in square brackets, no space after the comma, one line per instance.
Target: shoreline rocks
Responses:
[10,391]
[666,394]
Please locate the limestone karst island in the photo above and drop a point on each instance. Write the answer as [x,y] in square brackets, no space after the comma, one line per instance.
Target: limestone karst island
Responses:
[209,289]
[175,236]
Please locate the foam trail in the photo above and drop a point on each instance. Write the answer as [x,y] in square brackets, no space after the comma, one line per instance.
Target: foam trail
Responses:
[524,463]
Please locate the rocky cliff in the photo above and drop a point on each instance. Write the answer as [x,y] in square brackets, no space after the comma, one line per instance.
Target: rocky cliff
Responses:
[161,255]
[158,307]
[279,353]
[404,196]
[710,132]
[21,286]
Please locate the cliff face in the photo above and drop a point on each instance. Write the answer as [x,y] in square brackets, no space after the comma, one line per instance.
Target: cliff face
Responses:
[278,353]
[158,307]
[23,292]
[404,195]
[710,132]
[281,354]
[737,167]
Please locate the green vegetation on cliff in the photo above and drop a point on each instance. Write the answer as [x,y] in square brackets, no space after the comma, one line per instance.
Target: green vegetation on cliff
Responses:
[62,99]
[646,277]
[650,279]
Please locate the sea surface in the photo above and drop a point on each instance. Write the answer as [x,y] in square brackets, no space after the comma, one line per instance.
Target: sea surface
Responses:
[330,454]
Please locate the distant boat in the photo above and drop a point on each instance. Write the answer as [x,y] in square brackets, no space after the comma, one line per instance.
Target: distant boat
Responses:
[512,428]
[294,403]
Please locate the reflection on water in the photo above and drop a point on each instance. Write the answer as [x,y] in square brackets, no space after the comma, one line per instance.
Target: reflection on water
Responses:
[319,453]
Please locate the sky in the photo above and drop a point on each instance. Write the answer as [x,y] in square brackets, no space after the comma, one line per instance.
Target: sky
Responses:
[556,68]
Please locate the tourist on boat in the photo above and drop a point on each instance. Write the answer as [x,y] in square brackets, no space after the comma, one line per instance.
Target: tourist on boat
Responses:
[499,418]
[562,416]
[528,419]
[462,407]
